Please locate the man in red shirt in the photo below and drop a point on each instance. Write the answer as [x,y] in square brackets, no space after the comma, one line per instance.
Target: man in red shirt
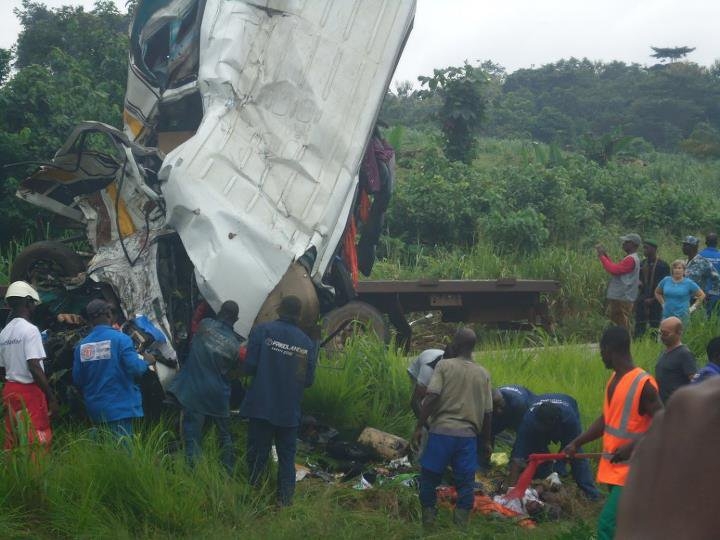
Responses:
[624,280]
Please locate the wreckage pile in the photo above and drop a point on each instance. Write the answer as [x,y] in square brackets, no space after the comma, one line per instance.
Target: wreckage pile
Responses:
[377,460]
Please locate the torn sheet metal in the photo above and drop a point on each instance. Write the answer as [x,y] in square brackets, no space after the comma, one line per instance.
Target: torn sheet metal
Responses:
[137,285]
[291,91]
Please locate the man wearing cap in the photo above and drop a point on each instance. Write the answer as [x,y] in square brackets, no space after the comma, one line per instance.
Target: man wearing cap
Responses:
[625,277]
[281,359]
[700,269]
[105,369]
[712,254]
[648,311]
[202,387]
[26,389]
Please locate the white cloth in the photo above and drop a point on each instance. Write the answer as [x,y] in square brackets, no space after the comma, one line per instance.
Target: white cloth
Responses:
[20,341]
[420,372]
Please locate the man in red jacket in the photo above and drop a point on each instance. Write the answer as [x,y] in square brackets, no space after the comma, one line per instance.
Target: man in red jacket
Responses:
[624,281]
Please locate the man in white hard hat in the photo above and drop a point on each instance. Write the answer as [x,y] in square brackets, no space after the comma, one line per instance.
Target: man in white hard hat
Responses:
[29,401]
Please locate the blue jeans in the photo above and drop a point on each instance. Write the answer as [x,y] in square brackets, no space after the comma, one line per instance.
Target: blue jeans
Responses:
[192,427]
[261,434]
[444,450]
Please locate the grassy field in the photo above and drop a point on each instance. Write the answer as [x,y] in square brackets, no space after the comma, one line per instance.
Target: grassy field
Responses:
[90,489]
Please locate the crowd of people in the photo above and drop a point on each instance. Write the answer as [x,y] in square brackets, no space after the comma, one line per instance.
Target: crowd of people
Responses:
[460,415]
[279,357]
[654,290]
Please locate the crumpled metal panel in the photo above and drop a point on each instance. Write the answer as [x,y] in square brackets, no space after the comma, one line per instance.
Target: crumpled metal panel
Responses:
[137,286]
[291,91]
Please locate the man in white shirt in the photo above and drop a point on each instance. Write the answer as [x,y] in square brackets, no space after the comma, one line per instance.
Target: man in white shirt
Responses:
[26,395]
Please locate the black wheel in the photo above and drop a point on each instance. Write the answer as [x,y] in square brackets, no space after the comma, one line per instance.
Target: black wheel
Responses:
[353,318]
[42,263]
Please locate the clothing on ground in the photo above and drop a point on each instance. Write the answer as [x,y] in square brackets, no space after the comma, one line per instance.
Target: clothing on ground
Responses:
[464,397]
[421,369]
[20,341]
[282,359]
[674,369]
[202,386]
[678,296]
[105,369]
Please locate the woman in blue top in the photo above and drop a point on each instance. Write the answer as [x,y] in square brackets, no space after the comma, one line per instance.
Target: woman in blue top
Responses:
[676,292]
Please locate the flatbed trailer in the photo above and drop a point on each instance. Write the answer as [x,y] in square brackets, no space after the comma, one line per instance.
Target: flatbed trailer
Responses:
[504,303]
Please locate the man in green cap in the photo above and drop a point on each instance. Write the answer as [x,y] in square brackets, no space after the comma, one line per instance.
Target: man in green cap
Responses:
[648,311]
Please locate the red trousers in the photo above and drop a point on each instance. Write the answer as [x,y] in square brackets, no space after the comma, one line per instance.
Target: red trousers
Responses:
[27,419]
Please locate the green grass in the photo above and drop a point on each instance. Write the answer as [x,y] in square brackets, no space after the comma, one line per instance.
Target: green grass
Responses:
[91,489]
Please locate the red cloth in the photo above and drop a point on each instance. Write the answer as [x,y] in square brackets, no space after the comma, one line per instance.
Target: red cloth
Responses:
[18,398]
[625,266]
[485,505]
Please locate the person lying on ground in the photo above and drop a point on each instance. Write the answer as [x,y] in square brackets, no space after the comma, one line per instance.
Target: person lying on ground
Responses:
[630,402]
[552,418]
[674,472]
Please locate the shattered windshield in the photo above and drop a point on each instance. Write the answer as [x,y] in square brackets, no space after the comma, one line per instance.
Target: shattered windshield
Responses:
[165,41]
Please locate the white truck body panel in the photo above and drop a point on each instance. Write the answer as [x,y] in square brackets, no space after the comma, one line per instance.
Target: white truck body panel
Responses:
[291,92]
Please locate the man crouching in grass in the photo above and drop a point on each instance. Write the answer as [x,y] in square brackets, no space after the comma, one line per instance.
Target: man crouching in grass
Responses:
[457,407]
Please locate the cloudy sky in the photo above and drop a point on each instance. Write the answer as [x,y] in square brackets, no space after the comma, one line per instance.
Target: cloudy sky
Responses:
[526,33]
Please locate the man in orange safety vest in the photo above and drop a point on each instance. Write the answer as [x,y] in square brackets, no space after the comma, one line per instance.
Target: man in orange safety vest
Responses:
[631,401]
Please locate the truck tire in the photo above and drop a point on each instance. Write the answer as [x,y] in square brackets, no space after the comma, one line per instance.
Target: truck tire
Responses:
[357,317]
[48,258]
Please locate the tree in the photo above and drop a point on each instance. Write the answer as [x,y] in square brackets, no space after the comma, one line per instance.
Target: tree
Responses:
[671,53]
[462,110]
[71,66]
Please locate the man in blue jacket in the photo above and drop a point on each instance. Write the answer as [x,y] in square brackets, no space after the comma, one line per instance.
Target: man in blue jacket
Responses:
[202,387]
[510,403]
[551,418]
[105,369]
[281,358]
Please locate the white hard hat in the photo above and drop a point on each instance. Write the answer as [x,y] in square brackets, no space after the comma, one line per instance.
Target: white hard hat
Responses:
[21,289]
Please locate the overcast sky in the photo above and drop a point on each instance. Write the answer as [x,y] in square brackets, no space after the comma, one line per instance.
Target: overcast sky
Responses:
[526,33]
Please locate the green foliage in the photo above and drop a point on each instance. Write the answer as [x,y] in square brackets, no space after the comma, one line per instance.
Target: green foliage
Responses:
[71,66]
[365,386]
[703,142]
[522,231]
[462,108]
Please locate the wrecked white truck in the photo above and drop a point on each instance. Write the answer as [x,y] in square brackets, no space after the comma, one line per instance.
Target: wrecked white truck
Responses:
[236,173]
